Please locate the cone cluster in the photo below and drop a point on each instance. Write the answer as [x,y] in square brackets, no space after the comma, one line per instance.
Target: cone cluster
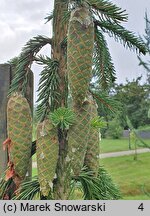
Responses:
[83,140]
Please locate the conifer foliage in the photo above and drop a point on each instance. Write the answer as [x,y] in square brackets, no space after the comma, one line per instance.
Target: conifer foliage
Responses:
[67,141]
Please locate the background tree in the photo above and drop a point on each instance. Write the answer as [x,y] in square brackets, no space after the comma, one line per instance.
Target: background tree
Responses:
[53,86]
[146,64]
[115,130]
[134,98]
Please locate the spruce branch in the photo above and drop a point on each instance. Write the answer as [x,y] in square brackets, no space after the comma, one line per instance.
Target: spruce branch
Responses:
[62,118]
[98,188]
[66,17]
[106,10]
[103,99]
[13,61]
[98,122]
[28,190]
[6,189]
[49,17]
[103,69]
[48,86]
[25,60]
[146,65]
[128,38]
[142,143]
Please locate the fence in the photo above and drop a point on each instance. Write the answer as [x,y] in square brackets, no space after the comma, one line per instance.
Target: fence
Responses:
[143,134]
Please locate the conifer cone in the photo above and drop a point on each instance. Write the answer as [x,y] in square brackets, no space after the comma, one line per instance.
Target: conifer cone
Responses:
[93,148]
[47,155]
[79,52]
[78,135]
[19,128]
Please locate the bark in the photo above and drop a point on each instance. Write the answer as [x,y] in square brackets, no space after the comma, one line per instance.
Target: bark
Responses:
[58,52]
[5,78]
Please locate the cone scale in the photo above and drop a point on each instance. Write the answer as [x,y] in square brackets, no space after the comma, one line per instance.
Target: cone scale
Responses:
[93,148]
[79,53]
[19,129]
[47,155]
[77,138]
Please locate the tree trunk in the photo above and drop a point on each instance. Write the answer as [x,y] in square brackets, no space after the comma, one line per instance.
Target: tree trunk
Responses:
[58,52]
[5,77]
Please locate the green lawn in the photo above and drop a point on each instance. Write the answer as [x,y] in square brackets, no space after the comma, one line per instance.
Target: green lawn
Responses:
[34,158]
[115,145]
[34,171]
[137,197]
[130,175]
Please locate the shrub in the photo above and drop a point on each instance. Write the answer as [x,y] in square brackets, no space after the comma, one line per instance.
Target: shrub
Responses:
[115,130]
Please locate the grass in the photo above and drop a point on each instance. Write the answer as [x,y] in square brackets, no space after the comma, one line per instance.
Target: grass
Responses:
[130,175]
[144,128]
[34,158]
[115,145]
[137,197]
[34,171]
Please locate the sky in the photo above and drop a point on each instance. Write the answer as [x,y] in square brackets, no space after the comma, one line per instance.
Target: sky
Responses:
[21,20]
[125,61]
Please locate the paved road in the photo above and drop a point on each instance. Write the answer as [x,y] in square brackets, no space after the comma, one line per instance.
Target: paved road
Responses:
[114,154]
[122,153]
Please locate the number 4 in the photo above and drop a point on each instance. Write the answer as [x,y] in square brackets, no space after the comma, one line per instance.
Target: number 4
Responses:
[141,207]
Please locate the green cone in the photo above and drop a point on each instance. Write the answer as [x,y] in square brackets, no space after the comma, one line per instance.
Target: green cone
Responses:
[77,138]
[93,147]
[47,155]
[79,53]
[19,128]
